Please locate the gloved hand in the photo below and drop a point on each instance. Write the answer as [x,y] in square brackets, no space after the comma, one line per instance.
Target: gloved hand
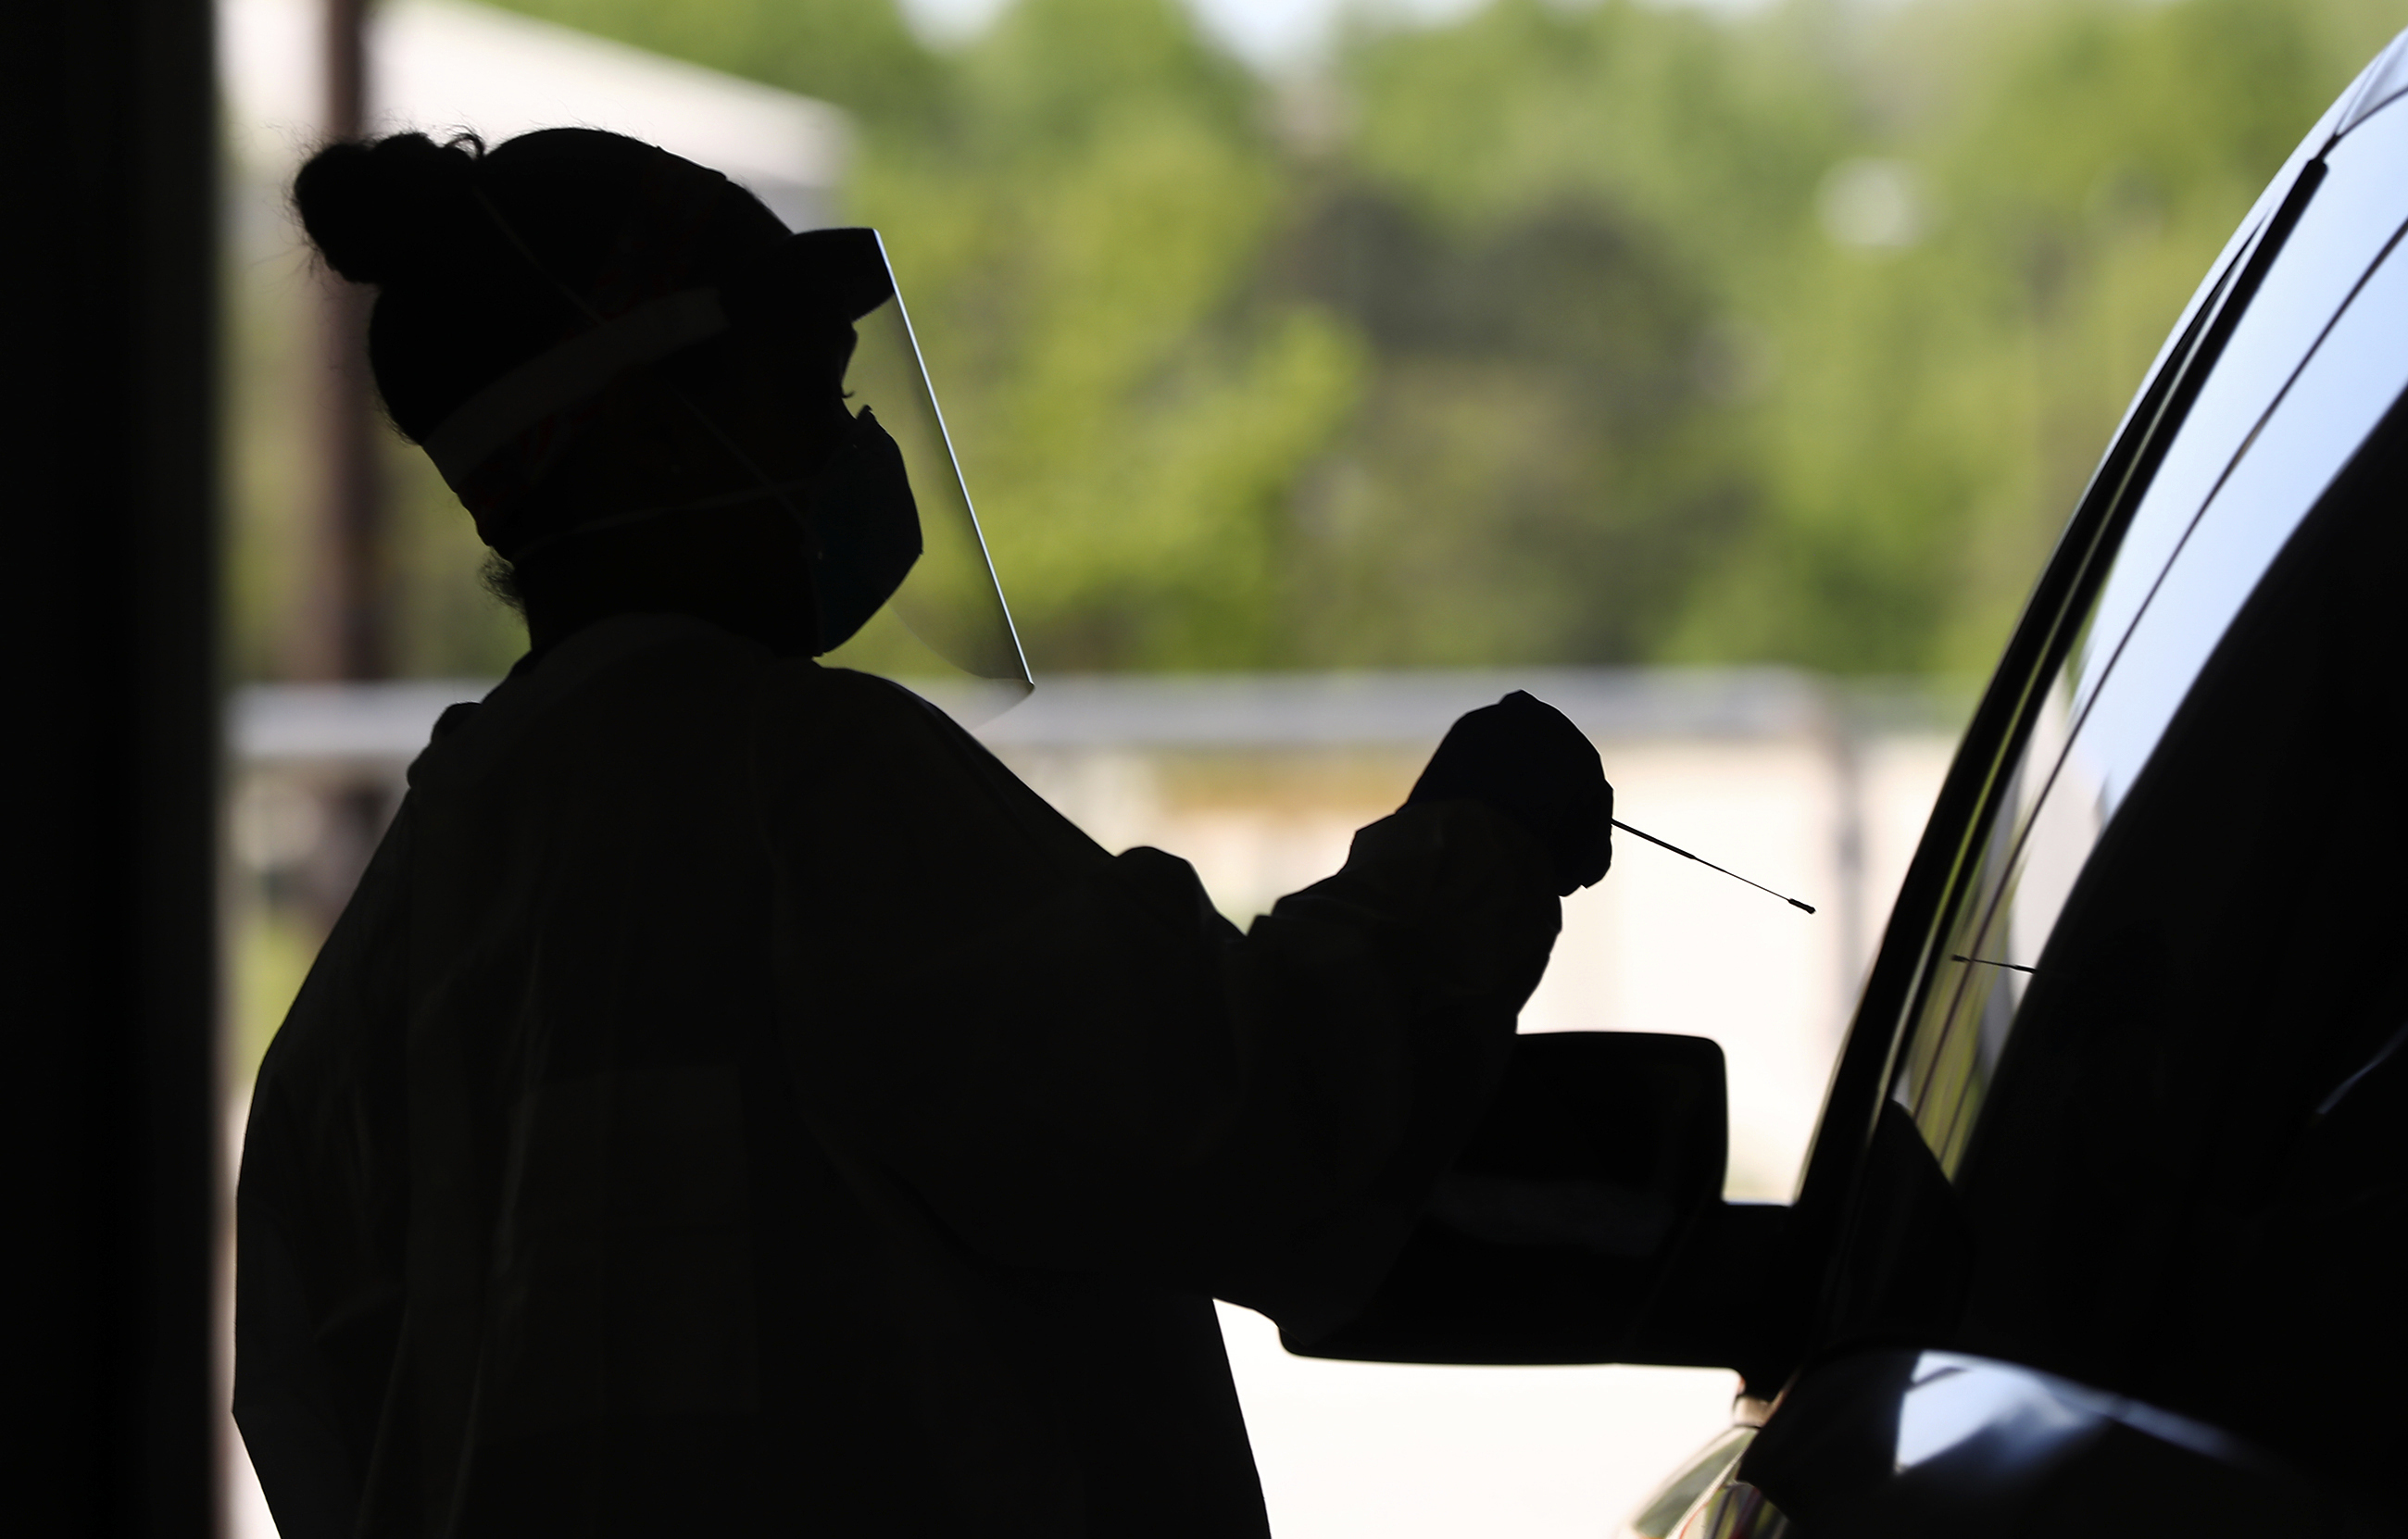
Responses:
[1525,759]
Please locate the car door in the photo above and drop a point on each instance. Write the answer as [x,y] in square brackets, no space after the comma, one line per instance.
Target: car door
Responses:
[2115,1117]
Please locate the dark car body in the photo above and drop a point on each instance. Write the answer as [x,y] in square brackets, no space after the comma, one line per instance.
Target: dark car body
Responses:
[2102,1230]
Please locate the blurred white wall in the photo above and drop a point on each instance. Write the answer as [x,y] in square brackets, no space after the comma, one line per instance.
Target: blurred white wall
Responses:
[1816,790]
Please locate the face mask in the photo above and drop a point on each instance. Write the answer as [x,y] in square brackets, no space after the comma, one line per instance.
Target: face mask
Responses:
[869,529]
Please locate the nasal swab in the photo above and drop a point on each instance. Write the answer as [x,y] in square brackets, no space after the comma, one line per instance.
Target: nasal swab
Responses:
[1710,866]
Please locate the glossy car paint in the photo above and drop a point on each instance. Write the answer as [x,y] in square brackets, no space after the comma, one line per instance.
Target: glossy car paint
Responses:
[1899,1442]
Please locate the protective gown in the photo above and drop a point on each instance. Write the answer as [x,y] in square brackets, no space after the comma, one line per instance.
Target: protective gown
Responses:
[734,1104]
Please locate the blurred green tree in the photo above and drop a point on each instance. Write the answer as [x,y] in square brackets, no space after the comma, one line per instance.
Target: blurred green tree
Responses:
[1080,236]
[1579,333]
[857,53]
[2072,166]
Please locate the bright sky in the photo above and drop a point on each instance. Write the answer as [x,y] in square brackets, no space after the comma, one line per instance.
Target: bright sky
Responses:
[1271,33]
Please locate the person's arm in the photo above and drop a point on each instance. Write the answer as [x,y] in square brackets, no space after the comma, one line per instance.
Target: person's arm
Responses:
[1076,1063]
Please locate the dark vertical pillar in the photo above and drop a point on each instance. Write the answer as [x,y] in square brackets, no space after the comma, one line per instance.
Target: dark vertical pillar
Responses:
[107,307]
[345,619]
[346,628]
[352,600]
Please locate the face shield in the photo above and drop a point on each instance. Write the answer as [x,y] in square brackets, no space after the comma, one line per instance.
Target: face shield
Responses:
[942,626]
[900,581]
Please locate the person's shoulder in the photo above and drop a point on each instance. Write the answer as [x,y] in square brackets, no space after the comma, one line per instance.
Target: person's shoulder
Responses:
[633,655]
[801,689]
[836,725]
[833,741]
[631,682]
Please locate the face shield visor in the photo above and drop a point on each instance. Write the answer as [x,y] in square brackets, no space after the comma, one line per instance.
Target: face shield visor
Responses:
[900,581]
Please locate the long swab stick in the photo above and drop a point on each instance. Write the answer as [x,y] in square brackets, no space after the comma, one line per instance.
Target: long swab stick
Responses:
[1709,865]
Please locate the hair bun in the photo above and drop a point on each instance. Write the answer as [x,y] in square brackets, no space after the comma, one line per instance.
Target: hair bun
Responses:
[391,211]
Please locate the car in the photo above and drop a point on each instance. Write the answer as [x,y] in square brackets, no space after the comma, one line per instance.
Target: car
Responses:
[2102,1229]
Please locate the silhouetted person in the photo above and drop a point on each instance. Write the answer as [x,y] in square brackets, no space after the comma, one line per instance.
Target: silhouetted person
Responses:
[734,1104]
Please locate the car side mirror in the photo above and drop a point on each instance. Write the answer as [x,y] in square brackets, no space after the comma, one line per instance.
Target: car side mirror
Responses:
[1583,1221]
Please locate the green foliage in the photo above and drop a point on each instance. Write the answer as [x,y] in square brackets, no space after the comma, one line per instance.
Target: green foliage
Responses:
[270,956]
[1080,248]
[1545,335]
[858,55]
[2084,162]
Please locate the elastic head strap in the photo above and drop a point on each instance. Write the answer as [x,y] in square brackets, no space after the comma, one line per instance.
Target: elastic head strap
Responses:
[573,372]
[567,375]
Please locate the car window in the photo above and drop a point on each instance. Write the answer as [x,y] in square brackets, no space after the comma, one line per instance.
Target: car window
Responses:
[2162,1055]
[2184,1181]
[2308,368]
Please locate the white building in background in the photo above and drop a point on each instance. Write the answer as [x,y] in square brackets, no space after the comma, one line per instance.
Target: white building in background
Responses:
[444,66]
[1813,789]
